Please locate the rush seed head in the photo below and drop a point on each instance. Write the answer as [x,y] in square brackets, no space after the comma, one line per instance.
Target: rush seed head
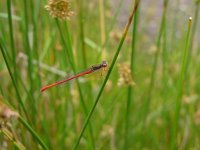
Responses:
[125,78]
[59,9]
[6,113]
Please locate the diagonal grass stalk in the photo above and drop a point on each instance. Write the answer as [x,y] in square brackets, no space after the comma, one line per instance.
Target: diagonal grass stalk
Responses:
[68,49]
[10,137]
[20,81]
[12,37]
[180,86]
[109,72]
[13,79]
[33,133]
[34,44]
[69,53]
[130,92]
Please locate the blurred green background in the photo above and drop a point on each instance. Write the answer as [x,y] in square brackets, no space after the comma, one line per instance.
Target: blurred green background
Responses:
[161,110]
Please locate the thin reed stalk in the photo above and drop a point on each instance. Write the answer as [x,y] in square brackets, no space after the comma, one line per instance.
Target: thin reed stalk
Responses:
[12,37]
[193,30]
[102,21]
[69,53]
[80,4]
[155,63]
[130,92]
[113,21]
[33,133]
[174,29]
[108,74]
[3,51]
[10,137]
[180,86]
[35,38]
[27,46]
[164,57]
[194,27]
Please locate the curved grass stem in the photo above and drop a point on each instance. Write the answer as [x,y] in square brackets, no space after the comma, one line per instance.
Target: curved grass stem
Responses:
[33,133]
[180,86]
[3,51]
[108,74]
[130,89]
[12,37]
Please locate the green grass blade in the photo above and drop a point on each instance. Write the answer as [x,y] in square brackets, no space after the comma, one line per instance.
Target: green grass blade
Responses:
[13,79]
[12,37]
[130,92]
[35,39]
[153,72]
[69,54]
[27,45]
[82,33]
[180,87]
[113,21]
[108,74]
[33,133]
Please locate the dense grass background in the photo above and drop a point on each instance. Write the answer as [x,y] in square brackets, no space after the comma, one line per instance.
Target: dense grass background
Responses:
[162,47]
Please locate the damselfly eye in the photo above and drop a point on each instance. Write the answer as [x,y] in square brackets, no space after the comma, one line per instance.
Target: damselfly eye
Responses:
[104,64]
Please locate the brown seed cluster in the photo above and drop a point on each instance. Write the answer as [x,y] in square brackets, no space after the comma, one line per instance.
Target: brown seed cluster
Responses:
[6,113]
[107,131]
[125,78]
[59,9]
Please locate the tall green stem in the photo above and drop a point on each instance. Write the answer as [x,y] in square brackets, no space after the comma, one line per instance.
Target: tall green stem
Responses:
[108,74]
[130,89]
[153,73]
[180,86]
[82,34]
[113,21]
[33,133]
[3,51]
[102,21]
[12,37]
[69,53]
[27,45]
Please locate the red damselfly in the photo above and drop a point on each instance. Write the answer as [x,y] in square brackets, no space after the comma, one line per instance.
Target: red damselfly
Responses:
[92,69]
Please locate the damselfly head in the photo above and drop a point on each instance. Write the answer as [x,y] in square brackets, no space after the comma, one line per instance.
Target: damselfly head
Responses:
[104,64]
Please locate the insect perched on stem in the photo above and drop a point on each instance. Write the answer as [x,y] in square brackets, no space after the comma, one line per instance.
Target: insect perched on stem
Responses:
[92,69]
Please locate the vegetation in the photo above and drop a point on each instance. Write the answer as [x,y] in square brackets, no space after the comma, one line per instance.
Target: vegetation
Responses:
[148,98]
